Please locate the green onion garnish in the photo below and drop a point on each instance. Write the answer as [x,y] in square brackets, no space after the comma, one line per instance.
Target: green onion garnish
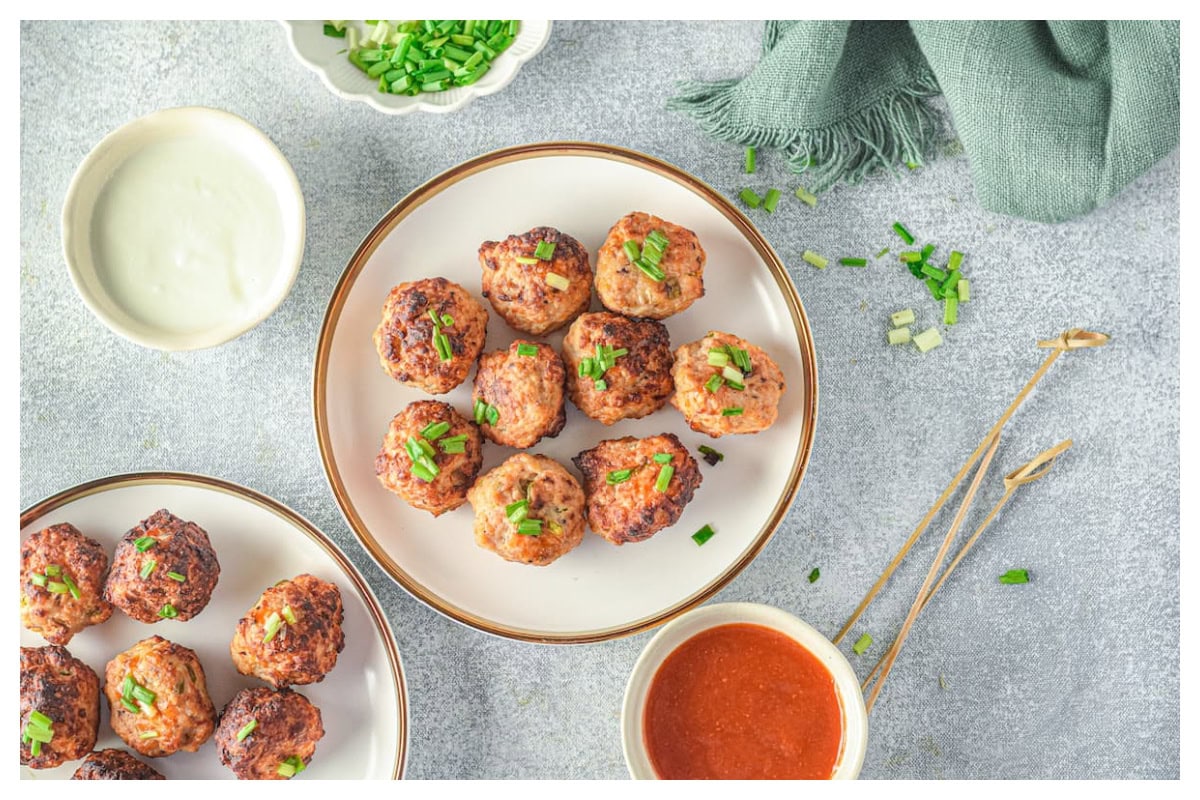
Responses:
[806,196]
[40,719]
[663,458]
[144,543]
[38,579]
[127,687]
[175,576]
[883,252]
[632,250]
[955,260]
[38,734]
[601,385]
[129,706]
[35,748]
[544,250]
[289,615]
[529,350]
[526,260]
[711,456]
[950,285]
[1014,576]
[732,374]
[435,430]
[556,281]
[664,477]
[530,527]
[53,570]
[71,587]
[148,567]
[618,476]
[927,340]
[454,444]
[56,587]
[703,535]
[714,383]
[735,411]
[750,198]
[930,271]
[935,288]
[905,317]
[927,251]
[865,640]
[964,290]
[910,257]
[480,411]
[274,621]
[771,200]
[144,695]
[718,358]
[950,312]
[899,336]
[247,729]
[516,512]
[812,576]
[820,262]
[148,735]
[902,232]
[651,270]
[423,472]
[286,770]
[750,159]
[586,365]
[492,414]
[168,611]
[852,262]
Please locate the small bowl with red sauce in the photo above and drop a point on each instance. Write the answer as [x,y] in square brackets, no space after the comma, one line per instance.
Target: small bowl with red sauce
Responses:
[742,691]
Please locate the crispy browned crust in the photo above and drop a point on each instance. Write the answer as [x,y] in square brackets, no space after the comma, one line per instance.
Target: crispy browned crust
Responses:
[67,691]
[301,653]
[59,616]
[702,409]
[527,391]
[519,292]
[184,715]
[286,725]
[181,547]
[624,288]
[448,490]
[635,510]
[639,383]
[404,338]
[115,765]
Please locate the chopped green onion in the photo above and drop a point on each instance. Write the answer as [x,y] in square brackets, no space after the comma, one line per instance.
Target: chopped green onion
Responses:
[899,336]
[40,720]
[714,383]
[664,477]
[127,687]
[652,271]
[441,343]
[586,365]
[632,250]
[35,748]
[38,734]
[289,615]
[911,257]
[750,159]
[820,262]
[750,198]
[168,611]
[556,281]
[949,286]
[735,411]
[148,567]
[517,511]
[544,250]
[286,770]
[935,288]
[883,252]
[950,312]
[658,239]
[964,290]
[247,729]
[144,695]
[852,262]
[435,430]
[454,444]
[530,527]
[480,411]
[526,260]
[732,374]
[718,358]
[144,543]
[713,457]
[274,621]
[423,472]
[741,358]
[663,458]
[71,587]
[812,576]
[524,349]
[927,340]
[38,579]
[129,706]
[53,570]
[1014,576]
[930,271]
[806,196]
[927,251]
[492,414]
[56,587]
[703,535]
[175,576]
[865,640]
[148,735]
[771,200]
[601,385]
[905,317]
[618,476]
[902,232]
[954,261]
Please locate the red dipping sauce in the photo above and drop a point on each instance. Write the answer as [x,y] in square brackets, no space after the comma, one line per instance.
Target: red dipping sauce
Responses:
[742,701]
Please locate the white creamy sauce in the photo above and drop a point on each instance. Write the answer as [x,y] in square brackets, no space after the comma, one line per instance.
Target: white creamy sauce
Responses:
[186,235]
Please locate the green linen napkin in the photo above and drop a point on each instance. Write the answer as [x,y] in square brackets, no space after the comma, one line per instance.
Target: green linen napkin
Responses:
[1055,117]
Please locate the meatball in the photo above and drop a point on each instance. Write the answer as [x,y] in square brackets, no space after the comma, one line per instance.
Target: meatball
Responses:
[293,634]
[62,581]
[457,455]
[268,734]
[165,568]
[58,687]
[525,384]
[708,394]
[115,765]
[158,698]
[622,479]
[518,289]
[408,336]
[637,380]
[511,501]
[625,288]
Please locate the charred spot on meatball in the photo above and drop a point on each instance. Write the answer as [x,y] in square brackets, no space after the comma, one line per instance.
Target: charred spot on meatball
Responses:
[410,448]
[622,479]
[732,395]
[430,333]
[62,583]
[636,377]
[165,568]
[627,289]
[536,295]
[293,634]
[60,707]
[525,384]
[268,734]
[115,765]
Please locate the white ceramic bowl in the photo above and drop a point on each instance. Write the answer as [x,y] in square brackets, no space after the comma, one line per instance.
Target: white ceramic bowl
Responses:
[105,158]
[684,627]
[325,56]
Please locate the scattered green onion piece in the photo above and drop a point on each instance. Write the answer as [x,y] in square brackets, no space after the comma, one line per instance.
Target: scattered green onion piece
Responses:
[927,340]
[492,414]
[53,570]
[734,411]
[950,311]
[806,196]
[40,719]
[820,262]
[454,444]
[664,477]
[964,290]
[899,336]
[905,317]
[175,576]
[750,160]
[718,358]
[379,68]
[865,640]
[732,374]
[954,261]
[480,410]
[911,257]
[129,706]
[337,33]
[544,250]
[526,260]
[812,576]
[585,367]
[247,729]
[435,430]
[620,351]
[527,350]
[441,343]
[127,687]
[658,239]
[38,579]
[144,695]
[927,251]
[883,252]
[601,385]
[651,270]
[771,200]
[1014,576]
[517,511]
[35,748]
[750,198]
[618,476]
[902,232]
[935,288]
[949,286]
[289,616]
[930,271]
[57,587]
[713,457]
[556,281]
[144,543]
[447,321]
[286,770]
[530,527]
[168,611]
[71,587]
[423,473]
[852,262]
[274,621]
[714,383]
[514,26]
[703,535]
[663,458]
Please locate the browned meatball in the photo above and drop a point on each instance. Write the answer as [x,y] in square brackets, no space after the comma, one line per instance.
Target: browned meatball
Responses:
[710,396]
[518,289]
[405,338]
[293,634]
[165,568]
[158,699]
[115,765]
[525,385]
[621,478]
[547,494]
[279,733]
[626,289]
[638,382]
[62,688]
[456,459]
[62,581]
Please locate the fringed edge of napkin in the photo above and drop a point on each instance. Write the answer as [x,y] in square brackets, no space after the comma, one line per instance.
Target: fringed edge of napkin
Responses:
[897,129]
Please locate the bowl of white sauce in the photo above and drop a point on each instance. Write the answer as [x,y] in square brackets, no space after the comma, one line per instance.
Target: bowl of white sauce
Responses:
[184,229]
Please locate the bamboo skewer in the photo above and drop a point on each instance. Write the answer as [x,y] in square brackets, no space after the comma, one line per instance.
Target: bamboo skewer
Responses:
[1074,339]
[992,443]
[1030,472]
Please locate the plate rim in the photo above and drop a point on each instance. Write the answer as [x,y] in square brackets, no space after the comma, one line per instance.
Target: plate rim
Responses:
[61,498]
[434,186]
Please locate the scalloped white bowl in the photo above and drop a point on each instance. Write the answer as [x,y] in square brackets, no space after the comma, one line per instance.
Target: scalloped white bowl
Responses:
[320,53]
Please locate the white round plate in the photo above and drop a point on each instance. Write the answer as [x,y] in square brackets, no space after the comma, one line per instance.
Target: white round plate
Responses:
[597,591]
[325,55]
[258,541]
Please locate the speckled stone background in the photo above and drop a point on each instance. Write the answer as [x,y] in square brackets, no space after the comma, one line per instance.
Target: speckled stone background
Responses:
[1074,675]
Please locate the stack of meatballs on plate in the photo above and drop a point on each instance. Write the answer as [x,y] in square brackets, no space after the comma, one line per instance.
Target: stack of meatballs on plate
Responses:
[614,364]
[165,568]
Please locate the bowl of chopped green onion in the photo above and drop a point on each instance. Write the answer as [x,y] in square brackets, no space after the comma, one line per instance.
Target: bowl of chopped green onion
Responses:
[401,66]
